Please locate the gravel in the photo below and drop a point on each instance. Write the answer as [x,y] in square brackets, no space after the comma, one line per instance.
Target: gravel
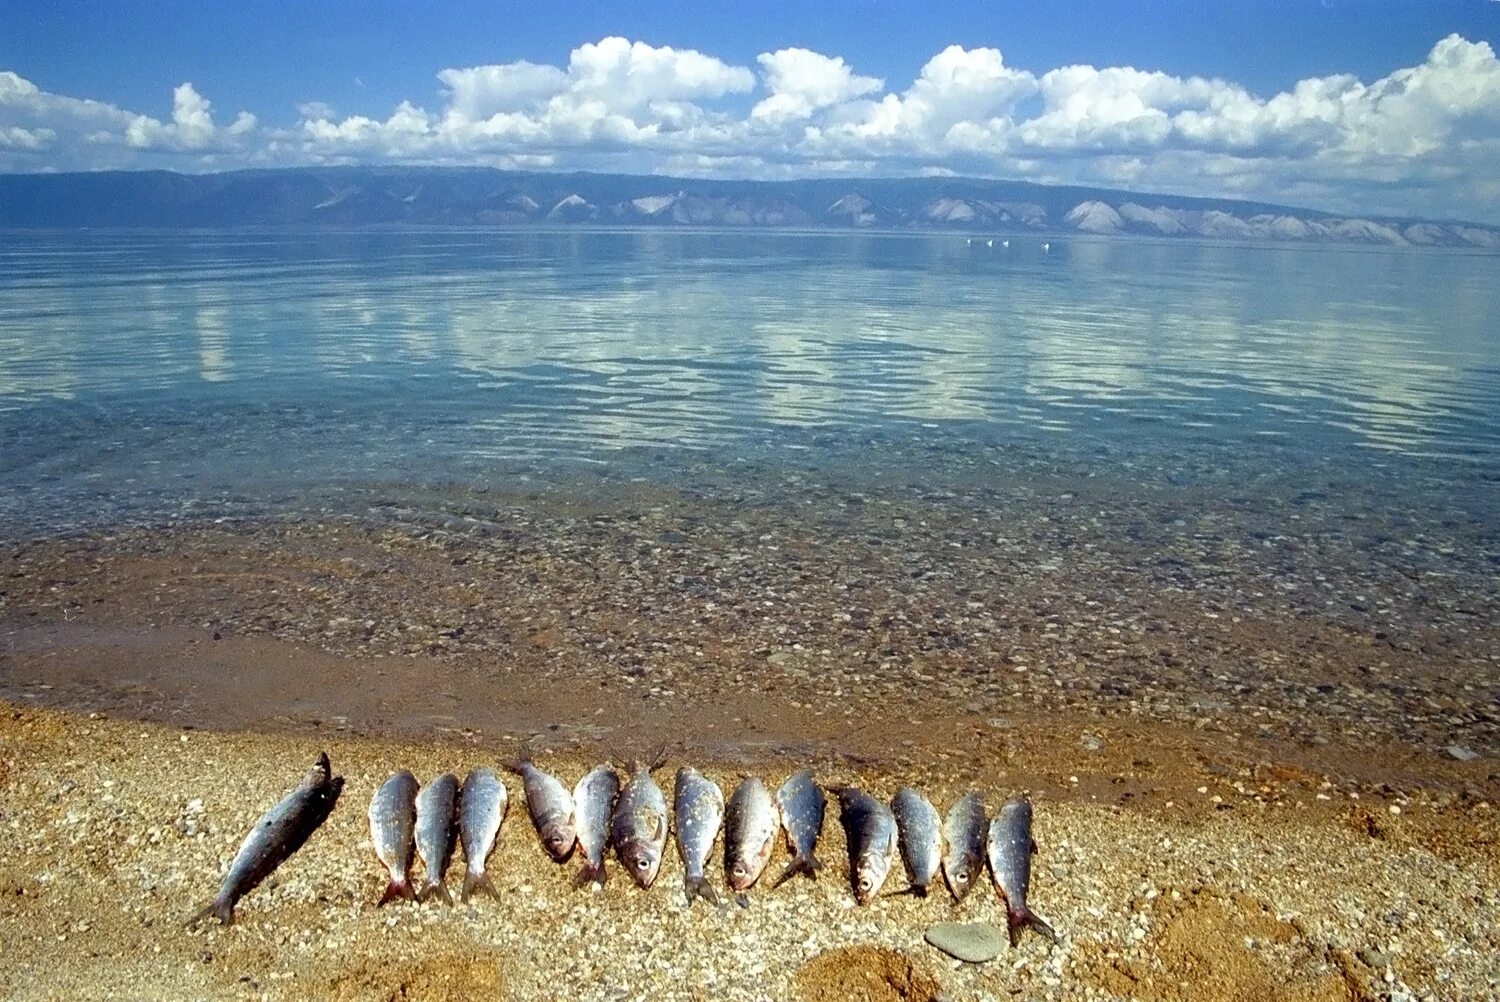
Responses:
[96,881]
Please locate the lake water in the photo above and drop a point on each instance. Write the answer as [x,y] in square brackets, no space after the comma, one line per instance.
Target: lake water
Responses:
[147,375]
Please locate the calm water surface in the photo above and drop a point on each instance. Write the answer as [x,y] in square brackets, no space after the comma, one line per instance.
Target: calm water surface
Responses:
[143,373]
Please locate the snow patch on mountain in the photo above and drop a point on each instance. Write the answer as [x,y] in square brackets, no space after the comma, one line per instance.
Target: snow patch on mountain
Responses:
[1094,217]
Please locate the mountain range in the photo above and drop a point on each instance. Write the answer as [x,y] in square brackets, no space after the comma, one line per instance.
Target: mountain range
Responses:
[464,196]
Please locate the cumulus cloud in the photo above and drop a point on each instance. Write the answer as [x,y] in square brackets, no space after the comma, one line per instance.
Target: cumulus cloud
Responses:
[802,81]
[69,132]
[1422,139]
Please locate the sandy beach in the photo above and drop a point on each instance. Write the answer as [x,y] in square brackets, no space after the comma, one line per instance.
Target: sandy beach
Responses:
[1273,881]
[1240,792]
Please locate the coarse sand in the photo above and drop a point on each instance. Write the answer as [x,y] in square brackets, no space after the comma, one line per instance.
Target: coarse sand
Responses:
[114,831]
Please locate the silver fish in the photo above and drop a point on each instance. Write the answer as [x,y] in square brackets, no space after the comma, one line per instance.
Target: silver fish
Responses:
[550,805]
[437,833]
[802,803]
[393,819]
[699,804]
[964,831]
[750,825]
[870,829]
[639,826]
[593,806]
[919,837]
[482,804]
[280,832]
[1010,850]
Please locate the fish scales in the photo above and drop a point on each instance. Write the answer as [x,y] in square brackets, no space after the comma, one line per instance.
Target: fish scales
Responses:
[699,805]
[920,838]
[638,828]
[550,805]
[802,805]
[593,808]
[437,833]
[393,822]
[965,830]
[751,822]
[482,805]
[870,829]
[1010,849]
[279,833]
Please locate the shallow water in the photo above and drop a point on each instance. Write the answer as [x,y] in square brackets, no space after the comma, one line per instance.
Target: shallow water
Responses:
[142,375]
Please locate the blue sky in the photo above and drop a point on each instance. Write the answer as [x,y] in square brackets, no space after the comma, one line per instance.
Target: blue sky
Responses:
[1387,106]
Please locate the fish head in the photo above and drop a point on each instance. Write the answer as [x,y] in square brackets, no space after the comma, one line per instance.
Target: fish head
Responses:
[745,868]
[868,875]
[558,838]
[742,873]
[960,878]
[643,860]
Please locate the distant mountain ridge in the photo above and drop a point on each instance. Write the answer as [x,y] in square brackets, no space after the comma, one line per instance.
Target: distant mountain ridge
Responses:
[465,196]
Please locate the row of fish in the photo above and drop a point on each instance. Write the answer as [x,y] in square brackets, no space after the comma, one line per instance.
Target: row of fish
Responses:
[600,812]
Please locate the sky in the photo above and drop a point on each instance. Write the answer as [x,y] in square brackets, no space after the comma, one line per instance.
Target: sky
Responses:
[1368,107]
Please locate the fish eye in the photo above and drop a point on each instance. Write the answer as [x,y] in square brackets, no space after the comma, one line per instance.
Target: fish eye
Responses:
[864,883]
[739,870]
[642,863]
[962,878]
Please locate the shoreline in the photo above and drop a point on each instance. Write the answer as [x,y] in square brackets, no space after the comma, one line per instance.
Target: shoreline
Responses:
[1243,787]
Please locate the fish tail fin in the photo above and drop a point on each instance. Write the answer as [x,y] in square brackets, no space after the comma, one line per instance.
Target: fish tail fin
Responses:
[399,889]
[700,887]
[590,874]
[478,882]
[799,864]
[435,889]
[217,908]
[659,757]
[522,759]
[1018,919]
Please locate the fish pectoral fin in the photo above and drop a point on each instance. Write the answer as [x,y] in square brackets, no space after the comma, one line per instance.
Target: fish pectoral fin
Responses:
[658,827]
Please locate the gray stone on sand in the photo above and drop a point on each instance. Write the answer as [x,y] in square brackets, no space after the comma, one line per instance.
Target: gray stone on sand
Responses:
[1461,753]
[972,942]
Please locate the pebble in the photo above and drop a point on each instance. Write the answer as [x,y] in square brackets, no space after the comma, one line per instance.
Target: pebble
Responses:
[972,942]
[1460,753]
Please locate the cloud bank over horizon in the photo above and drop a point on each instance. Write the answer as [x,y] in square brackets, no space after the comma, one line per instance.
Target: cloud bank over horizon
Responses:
[1422,140]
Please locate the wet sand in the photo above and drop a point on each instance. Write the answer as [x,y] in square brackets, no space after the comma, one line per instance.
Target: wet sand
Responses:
[1240,741]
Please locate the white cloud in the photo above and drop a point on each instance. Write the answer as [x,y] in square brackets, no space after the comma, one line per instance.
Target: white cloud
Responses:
[191,128]
[78,133]
[315,110]
[631,74]
[802,81]
[482,91]
[31,140]
[1423,139]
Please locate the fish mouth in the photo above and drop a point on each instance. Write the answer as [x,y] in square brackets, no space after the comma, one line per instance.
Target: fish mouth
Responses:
[644,876]
[742,879]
